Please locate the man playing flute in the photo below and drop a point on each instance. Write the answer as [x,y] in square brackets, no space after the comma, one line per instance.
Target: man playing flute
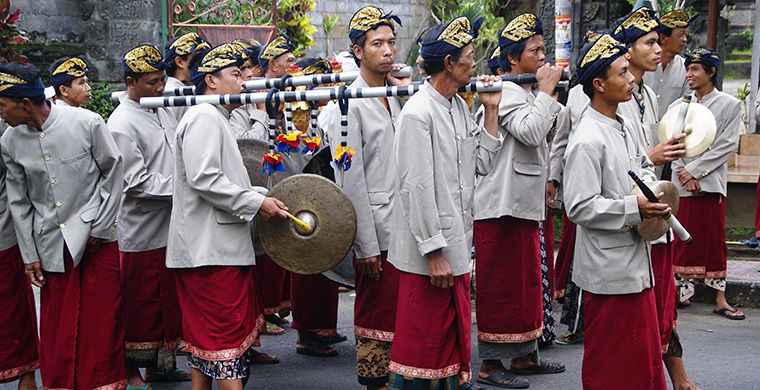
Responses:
[508,297]
[438,150]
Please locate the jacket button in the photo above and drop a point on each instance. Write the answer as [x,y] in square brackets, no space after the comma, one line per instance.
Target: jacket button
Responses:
[47,158]
[42,135]
[58,204]
[52,181]
[63,225]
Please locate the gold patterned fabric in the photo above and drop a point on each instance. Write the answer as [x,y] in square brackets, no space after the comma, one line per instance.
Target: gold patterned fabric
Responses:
[635,25]
[12,86]
[67,71]
[521,27]
[189,43]
[274,49]
[675,19]
[455,35]
[218,58]
[598,56]
[702,55]
[143,59]
[590,36]
[368,18]
[9,80]
[372,358]
[318,67]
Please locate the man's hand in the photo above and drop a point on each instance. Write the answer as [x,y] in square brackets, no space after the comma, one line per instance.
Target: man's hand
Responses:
[272,209]
[440,271]
[489,99]
[371,266]
[34,273]
[649,209]
[692,186]
[551,193]
[684,176]
[548,77]
[397,81]
[668,151]
[92,246]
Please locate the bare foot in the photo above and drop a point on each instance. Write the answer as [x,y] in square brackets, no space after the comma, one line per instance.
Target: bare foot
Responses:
[686,385]
[134,378]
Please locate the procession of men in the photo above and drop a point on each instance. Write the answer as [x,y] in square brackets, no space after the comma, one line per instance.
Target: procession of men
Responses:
[139,230]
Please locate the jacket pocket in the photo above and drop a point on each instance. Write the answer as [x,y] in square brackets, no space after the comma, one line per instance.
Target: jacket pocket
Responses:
[527,168]
[224,218]
[71,160]
[610,240]
[89,214]
[146,205]
[446,221]
[379,197]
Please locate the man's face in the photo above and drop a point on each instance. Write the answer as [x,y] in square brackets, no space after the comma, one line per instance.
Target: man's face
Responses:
[533,56]
[280,65]
[619,84]
[645,52]
[379,49]
[79,92]
[463,69]
[676,42]
[229,81]
[697,77]
[246,70]
[148,85]
[12,112]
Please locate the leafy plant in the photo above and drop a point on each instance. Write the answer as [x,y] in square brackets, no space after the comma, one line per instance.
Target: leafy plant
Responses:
[748,34]
[328,24]
[101,102]
[294,22]
[11,37]
[665,6]
[743,93]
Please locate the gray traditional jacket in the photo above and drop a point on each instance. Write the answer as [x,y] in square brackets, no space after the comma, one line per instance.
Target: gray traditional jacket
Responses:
[249,122]
[146,140]
[7,232]
[213,202]
[610,257]
[669,84]
[370,181]
[438,150]
[64,184]
[518,179]
[172,84]
[710,167]
[577,101]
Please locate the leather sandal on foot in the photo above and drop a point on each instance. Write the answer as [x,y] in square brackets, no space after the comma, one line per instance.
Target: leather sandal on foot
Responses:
[545,367]
[317,349]
[722,313]
[505,379]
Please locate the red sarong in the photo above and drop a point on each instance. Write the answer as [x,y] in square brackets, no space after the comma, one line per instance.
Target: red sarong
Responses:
[432,337]
[704,217]
[18,318]
[276,288]
[621,342]
[375,304]
[665,292]
[565,255]
[220,316]
[508,289]
[548,226]
[315,304]
[81,330]
[151,311]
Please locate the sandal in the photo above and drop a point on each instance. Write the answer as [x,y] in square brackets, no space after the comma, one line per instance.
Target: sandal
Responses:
[174,376]
[332,339]
[505,379]
[722,313]
[275,319]
[146,387]
[273,329]
[317,349]
[263,358]
[544,367]
[569,339]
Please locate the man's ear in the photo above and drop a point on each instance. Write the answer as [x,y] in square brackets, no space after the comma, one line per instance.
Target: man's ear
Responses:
[512,60]
[448,63]
[130,81]
[358,52]
[210,81]
[64,90]
[598,84]
[180,63]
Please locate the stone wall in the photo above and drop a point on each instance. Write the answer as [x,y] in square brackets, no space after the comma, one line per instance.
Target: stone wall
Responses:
[413,14]
[99,30]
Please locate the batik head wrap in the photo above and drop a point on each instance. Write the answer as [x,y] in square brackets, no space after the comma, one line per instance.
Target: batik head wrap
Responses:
[218,58]
[369,18]
[635,25]
[185,44]
[703,55]
[143,59]
[13,86]
[518,29]
[72,68]
[598,56]
[457,34]
[274,49]
[675,19]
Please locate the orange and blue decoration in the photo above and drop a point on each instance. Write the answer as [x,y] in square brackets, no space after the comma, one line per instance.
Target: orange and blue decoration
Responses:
[312,145]
[343,157]
[271,163]
[286,143]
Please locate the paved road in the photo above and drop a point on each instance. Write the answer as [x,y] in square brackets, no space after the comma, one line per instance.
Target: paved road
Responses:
[719,354]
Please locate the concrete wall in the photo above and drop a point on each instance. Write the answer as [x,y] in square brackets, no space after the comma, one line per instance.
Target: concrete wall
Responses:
[99,30]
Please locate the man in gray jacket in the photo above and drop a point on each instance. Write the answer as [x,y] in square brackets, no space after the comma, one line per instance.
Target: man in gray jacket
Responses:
[210,241]
[508,300]
[611,261]
[438,150]
[64,184]
[145,137]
